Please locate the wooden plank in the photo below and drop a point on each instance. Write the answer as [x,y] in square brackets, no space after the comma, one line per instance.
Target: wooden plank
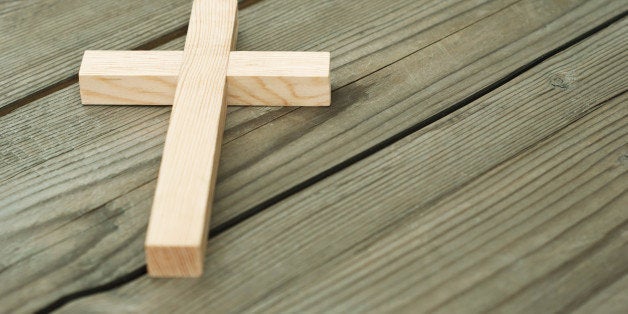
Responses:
[34,58]
[96,166]
[179,221]
[514,203]
[263,163]
[266,78]
[611,299]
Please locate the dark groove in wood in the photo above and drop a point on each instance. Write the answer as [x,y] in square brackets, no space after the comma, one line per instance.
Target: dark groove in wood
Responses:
[38,95]
[424,31]
[141,271]
[417,127]
[246,3]
[164,39]
[118,282]
[150,45]
[467,220]
[454,190]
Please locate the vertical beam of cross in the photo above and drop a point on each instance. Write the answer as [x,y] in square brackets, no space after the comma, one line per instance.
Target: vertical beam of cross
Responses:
[179,221]
[199,81]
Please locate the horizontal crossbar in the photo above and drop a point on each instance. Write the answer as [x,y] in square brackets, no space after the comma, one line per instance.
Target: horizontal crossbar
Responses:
[270,78]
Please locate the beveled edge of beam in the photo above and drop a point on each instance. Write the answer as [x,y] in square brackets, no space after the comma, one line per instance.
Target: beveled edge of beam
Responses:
[279,63]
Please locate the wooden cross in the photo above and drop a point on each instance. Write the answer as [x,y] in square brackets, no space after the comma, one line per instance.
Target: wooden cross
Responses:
[199,82]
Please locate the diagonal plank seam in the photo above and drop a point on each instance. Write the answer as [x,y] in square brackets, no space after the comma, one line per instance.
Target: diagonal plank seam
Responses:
[401,58]
[68,81]
[141,271]
[429,45]
[244,4]
[384,66]
[458,188]
[182,31]
[431,27]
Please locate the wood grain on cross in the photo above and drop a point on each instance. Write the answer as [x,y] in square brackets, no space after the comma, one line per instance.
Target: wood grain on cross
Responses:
[199,82]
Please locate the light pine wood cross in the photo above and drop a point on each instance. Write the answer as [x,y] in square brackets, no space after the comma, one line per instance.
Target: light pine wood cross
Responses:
[199,82]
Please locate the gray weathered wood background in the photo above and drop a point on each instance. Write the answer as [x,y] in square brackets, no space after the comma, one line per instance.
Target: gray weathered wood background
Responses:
[474,159]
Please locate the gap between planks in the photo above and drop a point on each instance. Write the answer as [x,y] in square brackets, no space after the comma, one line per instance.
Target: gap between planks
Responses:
[141,271]
[575,118]
[68,81]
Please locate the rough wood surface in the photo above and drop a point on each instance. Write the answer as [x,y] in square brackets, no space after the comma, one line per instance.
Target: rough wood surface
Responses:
[43,40]
[300,144]
[261,78]
[515,203]
[68,170]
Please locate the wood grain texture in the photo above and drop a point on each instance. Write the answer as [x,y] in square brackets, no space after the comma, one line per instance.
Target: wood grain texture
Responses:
[279,78]
[34,58]
[179,221]
[510,204]
[67,169]
[425,83]
[609,299]
[263,78]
